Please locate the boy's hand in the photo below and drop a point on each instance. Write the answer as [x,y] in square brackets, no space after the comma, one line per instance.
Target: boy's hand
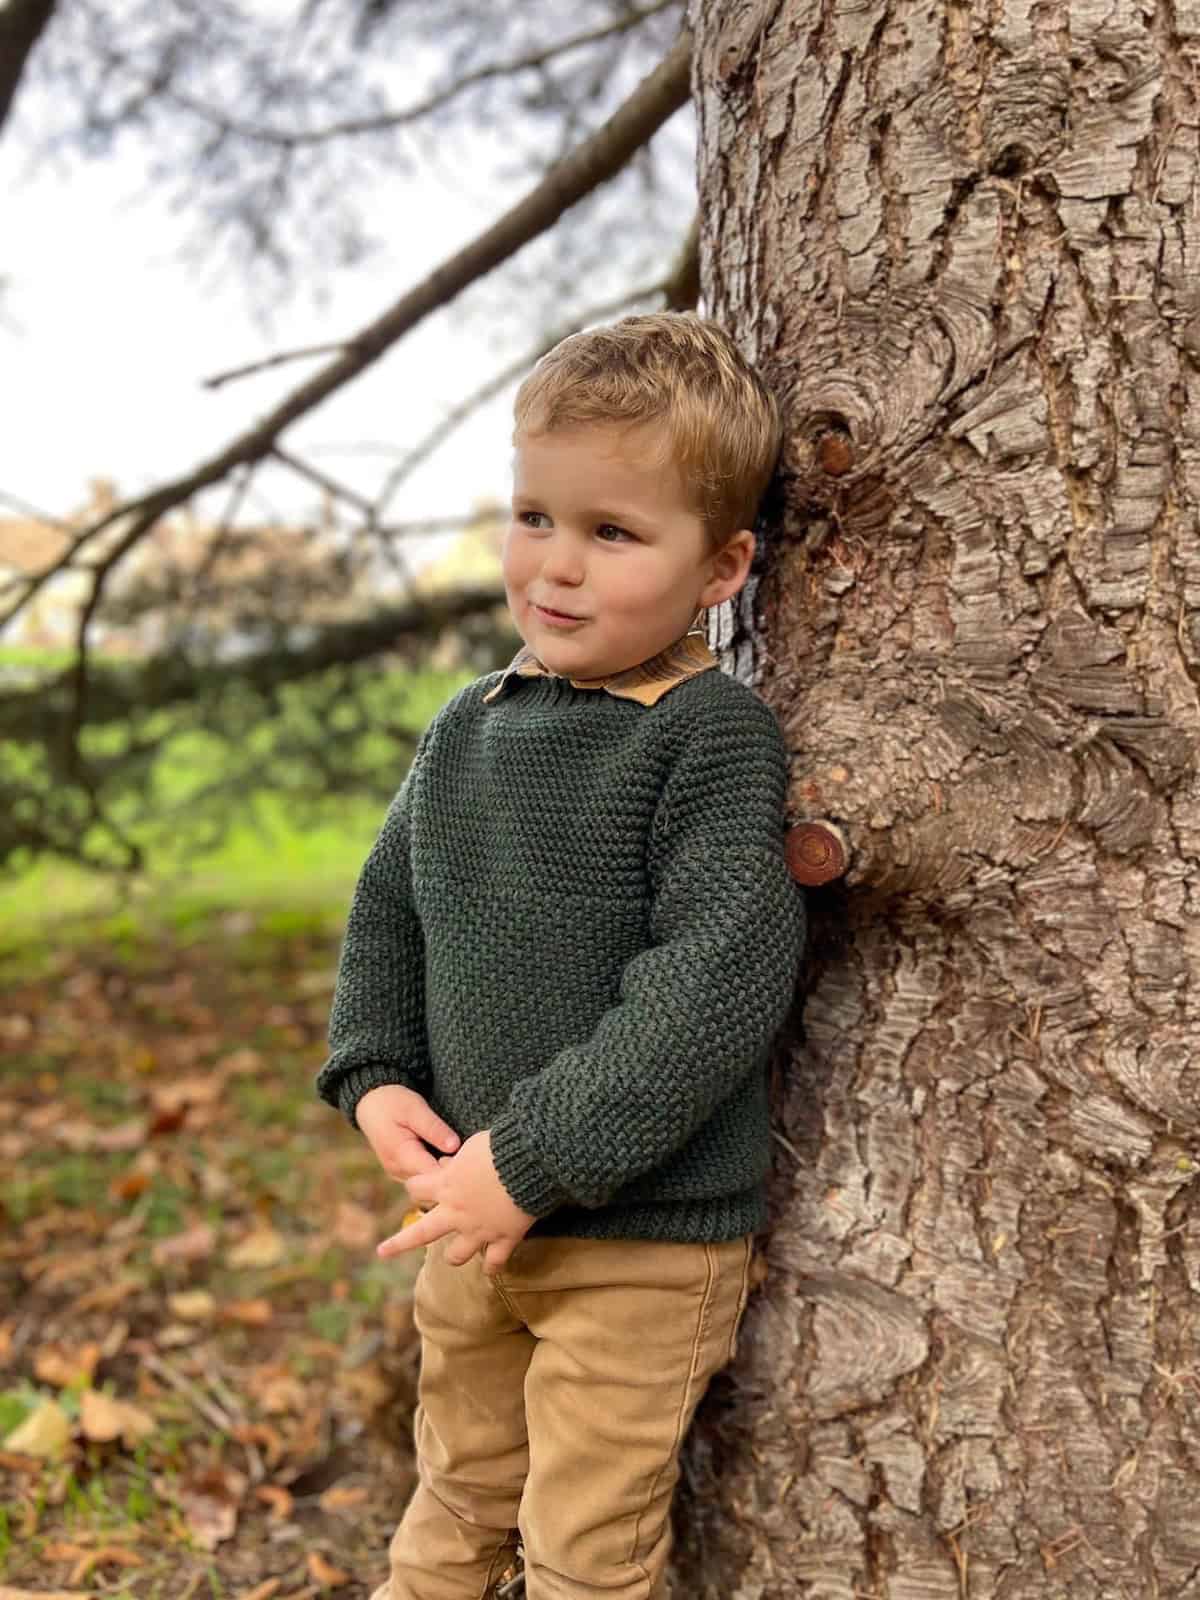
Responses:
[394,1122]
[468,1200]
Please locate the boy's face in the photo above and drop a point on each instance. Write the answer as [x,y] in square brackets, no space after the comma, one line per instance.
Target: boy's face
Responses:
[605,561]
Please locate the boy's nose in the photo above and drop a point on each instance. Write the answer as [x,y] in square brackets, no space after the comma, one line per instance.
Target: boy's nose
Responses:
[563,563]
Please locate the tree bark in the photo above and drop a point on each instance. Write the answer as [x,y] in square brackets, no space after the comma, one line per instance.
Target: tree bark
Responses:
[962,241]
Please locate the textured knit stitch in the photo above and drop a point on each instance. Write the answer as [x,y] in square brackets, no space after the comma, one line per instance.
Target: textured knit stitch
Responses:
[576,929]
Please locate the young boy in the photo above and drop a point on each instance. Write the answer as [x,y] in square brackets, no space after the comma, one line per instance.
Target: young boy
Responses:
[566,958]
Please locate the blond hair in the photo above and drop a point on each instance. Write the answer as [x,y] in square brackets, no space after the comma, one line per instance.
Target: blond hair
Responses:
[672,369]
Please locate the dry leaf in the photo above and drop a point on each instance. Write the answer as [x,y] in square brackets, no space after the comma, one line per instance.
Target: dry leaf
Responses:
[251,1313]
[194,1244]
[354,1226]
[201,1090]
[262,1247]
[277,1497]
[56,1364]
[324,1573]
[261,1591]
[103,1418]
[282,1393]
[210,1504]
[174,1335]
[129,1185]
[124,1136]
[7,1593]
[239,1063]
[343,1498]
[192,1305]
[107,1295]
[45,1433]
[110,1554]
[261,1433]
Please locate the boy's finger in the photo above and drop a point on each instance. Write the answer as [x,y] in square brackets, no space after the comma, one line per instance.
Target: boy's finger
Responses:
[410,1159]
[426,1122]
[422,1186]
[496,1255]
[461,1249]
[430,1227]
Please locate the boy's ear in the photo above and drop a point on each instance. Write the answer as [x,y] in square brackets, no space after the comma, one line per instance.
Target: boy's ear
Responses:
[729,568]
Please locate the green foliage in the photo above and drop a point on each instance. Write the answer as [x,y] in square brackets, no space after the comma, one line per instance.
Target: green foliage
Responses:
[274,804]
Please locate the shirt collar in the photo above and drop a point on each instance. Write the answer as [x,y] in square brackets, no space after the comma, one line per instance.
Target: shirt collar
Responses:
[645,683]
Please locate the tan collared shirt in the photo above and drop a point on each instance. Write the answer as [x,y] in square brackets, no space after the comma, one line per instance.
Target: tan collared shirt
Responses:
[645,683]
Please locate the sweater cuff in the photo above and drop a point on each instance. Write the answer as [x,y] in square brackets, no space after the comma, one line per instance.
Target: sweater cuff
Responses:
[361,1081]
[529,1184]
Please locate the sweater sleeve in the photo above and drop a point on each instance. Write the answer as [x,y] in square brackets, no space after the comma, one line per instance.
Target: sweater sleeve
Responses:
[377,1023]
[698,1008]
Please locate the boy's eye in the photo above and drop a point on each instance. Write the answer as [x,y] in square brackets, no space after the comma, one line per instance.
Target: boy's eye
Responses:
[611,534]
[533,519]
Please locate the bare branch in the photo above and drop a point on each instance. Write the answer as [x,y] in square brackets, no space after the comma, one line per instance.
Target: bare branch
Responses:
[22,23]
[386,120]
[682,287]
[599,158]
[277,360]
[330,485]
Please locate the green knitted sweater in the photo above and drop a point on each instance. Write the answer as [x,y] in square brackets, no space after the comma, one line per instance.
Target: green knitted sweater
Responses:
[576,928]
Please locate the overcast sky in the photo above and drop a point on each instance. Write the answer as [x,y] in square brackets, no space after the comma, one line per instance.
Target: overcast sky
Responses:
[105,336]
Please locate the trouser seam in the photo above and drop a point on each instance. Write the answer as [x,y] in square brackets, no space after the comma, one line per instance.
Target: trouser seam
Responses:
[701,1327]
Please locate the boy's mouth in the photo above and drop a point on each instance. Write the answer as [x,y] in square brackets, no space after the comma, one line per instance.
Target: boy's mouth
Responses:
[550,615]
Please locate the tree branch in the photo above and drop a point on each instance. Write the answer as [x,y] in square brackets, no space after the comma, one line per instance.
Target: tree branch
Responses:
[124,690]
[599,158]
[682,286]
[22,23]
[385,120]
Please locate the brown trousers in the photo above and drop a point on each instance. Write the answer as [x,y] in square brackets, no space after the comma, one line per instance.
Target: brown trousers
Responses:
[553,1400]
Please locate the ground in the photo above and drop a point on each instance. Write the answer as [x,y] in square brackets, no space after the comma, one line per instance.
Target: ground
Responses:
[206,1376]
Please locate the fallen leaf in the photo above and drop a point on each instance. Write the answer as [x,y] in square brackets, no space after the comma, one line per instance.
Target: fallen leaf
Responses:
[173,1335]
[324,1573]
[262,1247]
[277,1497]
[129,1185]
[122,1137]
[280,1394]
[45,1433]
[7,1593]
[354,1226]
[193,1244]
[343,1498]
[251,1313]
[261,1591]
[210,1505]
[103,1418]
[108,1555]
[199,1090]
[192,1305]
[61,1366]
[239,1063]
[107,1295]
[264,1434]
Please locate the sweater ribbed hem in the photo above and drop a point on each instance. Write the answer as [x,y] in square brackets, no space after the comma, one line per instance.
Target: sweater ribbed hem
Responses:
[361,1081]
[528,1183]
[712,1220]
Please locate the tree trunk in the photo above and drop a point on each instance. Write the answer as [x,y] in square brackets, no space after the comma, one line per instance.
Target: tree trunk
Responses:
[962,239]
